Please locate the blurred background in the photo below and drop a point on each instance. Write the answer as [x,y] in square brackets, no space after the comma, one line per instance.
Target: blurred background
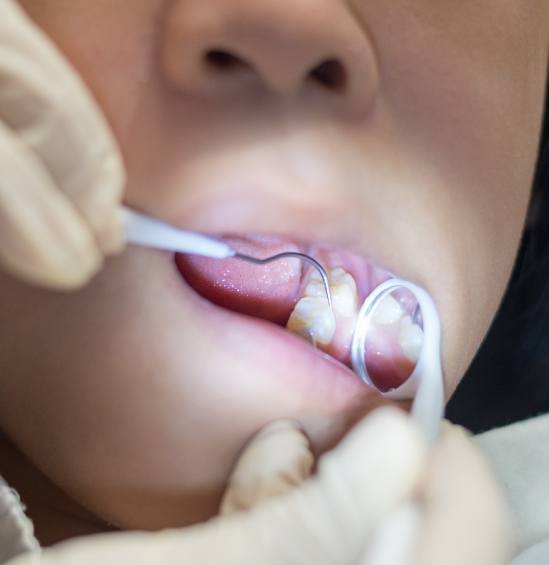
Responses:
[508,380]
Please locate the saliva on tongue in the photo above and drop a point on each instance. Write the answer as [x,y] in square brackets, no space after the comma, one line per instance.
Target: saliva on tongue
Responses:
[263,291]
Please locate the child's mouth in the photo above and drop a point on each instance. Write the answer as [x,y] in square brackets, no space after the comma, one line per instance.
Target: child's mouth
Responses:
[290,293]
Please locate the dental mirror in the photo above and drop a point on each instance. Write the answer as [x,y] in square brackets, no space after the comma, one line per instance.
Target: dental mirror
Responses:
[396,349]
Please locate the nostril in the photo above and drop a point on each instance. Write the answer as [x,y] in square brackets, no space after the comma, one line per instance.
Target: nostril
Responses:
[331,74]
[224,60]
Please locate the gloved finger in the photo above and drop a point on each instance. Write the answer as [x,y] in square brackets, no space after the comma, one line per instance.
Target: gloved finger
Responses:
[43,239]
[276,460]
[396,538]
[46,103]
[466,519]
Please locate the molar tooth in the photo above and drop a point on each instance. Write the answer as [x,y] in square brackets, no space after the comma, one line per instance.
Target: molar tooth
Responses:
[339,275]
[315,288]
[342,287]
[313,319]
[410,339]
[345,299]
[344,293]
[314,275]
[388,311]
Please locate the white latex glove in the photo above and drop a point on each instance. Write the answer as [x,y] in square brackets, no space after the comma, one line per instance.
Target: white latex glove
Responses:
[466,520]
[328,519]
[457,515]
[61,173]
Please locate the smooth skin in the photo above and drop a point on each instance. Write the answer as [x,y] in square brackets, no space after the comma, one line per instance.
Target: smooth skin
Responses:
[427,150]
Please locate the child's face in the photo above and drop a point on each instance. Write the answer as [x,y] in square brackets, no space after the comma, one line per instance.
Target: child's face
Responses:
[137,394]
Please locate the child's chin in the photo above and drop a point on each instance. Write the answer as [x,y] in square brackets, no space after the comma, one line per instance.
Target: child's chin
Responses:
[166,501]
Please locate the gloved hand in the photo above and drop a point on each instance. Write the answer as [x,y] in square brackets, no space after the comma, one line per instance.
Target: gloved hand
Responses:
[274,513]
[466,521]
[61,173]
[456,517]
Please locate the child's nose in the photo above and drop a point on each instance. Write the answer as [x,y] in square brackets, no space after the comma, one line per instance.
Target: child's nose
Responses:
[288,48]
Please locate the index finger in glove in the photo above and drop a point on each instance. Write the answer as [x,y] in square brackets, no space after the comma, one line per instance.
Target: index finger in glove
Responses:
[276,460]
[50,109]
[43,238]
[465,518]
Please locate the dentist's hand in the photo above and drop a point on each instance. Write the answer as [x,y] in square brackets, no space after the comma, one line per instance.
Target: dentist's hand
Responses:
[466,520]
[326,520]
[61,175]
[456,516]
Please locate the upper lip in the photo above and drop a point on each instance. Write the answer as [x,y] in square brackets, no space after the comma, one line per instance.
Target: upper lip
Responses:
[240,208]
[249,211]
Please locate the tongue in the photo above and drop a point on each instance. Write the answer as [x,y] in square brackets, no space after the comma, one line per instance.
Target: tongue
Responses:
[263,291]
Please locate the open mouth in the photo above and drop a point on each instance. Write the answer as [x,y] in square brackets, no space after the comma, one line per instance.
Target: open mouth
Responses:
[289,293]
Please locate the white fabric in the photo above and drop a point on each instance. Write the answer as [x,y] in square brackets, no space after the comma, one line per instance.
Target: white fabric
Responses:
[535,555]
[520,457]
[16,530]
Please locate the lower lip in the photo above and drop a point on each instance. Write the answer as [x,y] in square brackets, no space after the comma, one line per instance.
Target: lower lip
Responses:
[270,350]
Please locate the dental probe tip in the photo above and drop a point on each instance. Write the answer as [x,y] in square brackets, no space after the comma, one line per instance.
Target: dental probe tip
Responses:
[293,255]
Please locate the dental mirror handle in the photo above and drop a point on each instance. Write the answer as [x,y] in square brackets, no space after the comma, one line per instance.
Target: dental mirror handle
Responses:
[425,386]
[141,229]
[399,533]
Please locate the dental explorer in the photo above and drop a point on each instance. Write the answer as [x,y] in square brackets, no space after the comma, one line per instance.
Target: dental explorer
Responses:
[147,231]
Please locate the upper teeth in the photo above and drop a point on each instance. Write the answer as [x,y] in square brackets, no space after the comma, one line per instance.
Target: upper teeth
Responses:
[344,293]
[410,336]
[410,339]
[312,317]
[388,311]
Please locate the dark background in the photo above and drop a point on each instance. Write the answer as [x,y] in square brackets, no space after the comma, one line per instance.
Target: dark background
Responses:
[509,378]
